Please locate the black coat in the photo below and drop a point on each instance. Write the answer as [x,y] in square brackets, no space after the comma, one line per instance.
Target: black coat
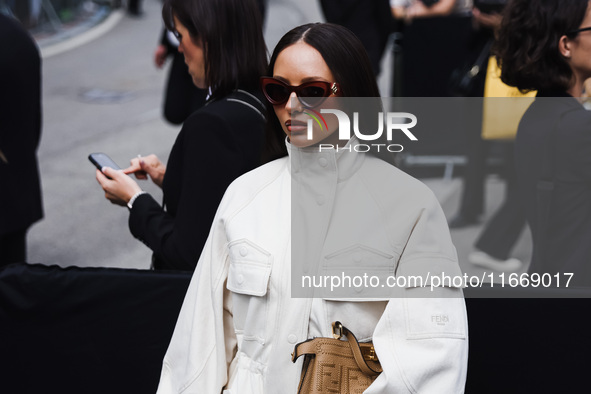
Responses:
[564,244]
[20,127]
[217,144]
[371,21]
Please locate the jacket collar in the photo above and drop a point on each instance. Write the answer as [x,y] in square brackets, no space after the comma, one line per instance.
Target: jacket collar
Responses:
[310,161]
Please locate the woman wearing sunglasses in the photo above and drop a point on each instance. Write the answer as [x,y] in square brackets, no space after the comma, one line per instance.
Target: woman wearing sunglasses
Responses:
[244,311]
[217,143]
[546,46]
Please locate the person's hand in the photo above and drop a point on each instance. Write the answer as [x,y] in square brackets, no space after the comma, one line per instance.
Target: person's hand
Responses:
[146,166]
[120,188]
[492,21]
[160,55]
[398,12]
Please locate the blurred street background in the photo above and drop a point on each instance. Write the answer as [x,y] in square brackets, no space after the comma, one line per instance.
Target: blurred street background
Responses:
[102,93]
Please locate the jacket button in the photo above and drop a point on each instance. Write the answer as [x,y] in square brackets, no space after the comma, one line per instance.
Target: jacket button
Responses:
[320,200]
[240,279]
[243,251]
[323,162]
[292,338]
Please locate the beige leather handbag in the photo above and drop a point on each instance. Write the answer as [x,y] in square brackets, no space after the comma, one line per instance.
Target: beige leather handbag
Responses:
[336,366]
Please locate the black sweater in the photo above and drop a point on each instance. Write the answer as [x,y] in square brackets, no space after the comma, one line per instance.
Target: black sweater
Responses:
[562,244]
[216,144]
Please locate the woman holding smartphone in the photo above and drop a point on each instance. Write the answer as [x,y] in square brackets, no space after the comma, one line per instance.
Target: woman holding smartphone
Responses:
[217,143]
[242,316]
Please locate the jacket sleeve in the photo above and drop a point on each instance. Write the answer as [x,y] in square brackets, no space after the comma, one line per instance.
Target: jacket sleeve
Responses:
[211,160]
[422,337]
[203,342]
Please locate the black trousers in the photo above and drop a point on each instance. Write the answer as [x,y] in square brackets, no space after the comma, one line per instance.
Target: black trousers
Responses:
[13,247]
[472,201]
[502,231]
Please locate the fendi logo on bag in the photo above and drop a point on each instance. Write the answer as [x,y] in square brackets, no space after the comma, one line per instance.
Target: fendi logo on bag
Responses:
[340,378]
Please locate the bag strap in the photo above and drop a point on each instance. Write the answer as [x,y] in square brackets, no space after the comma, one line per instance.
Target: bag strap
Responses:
[306,347]
[250,101]
[357,354]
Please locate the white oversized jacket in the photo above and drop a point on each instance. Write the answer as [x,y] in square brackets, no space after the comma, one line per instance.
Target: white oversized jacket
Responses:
[239,324]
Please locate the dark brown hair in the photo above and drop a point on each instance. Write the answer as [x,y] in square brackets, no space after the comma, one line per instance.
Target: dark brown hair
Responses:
[527,44]
[231,30]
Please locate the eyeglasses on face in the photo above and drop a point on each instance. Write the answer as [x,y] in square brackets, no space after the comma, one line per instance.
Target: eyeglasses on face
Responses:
[177,35]
[575,32]
[310,94]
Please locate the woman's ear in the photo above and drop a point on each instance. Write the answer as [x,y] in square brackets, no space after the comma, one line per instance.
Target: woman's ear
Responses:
[564,46]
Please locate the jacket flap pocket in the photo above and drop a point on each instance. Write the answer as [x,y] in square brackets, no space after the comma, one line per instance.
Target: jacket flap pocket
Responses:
[250,268]
[359,256]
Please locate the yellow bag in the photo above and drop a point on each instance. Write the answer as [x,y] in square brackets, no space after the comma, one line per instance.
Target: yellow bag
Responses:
[503,106]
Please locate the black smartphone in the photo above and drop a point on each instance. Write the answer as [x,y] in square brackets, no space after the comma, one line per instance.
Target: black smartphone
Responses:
[101,160]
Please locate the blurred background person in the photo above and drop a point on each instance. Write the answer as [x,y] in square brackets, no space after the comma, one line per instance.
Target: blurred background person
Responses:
[474,174]
[134,7]
[20,131]
[545,45]
[371,22]
[181,97]
[217,143]
[411,9]
[435,42]
[501,232]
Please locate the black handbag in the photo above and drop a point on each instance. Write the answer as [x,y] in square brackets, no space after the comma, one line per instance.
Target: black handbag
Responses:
[461,81]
